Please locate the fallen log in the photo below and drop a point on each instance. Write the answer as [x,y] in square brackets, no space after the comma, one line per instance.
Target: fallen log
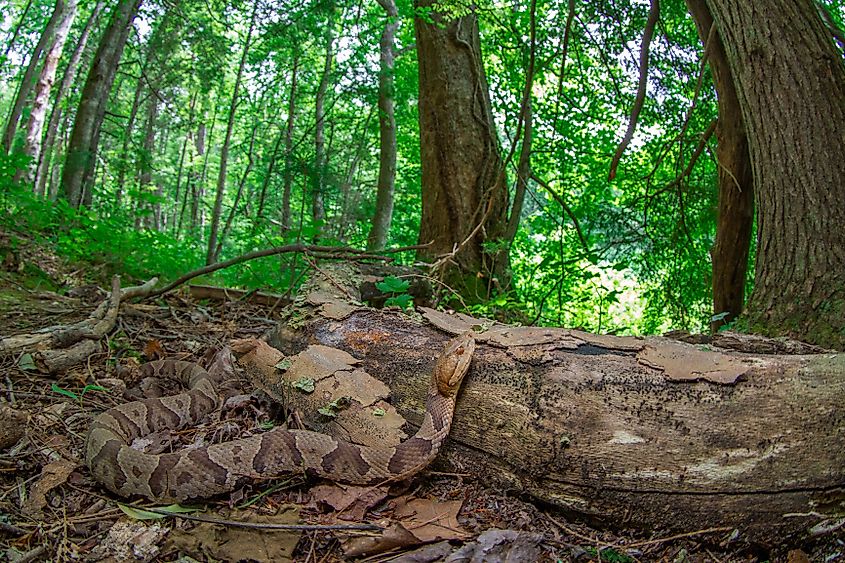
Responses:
[630,433]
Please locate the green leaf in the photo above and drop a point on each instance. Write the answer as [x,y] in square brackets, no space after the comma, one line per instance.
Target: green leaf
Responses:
[405,301]
[56,389]
[304,384]
[26,363]
[392,284]
[284,364]
[327,411]
[378,411]
[93,388]
[140,514]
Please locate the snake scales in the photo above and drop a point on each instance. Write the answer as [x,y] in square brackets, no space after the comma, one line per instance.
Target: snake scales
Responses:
[218,468]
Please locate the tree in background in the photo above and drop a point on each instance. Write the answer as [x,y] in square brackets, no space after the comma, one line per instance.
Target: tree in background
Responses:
[464,194]
[78,174]
[790,82]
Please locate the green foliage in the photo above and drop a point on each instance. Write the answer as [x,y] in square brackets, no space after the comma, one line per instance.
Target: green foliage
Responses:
[628,255]
[76,396]
[397,288]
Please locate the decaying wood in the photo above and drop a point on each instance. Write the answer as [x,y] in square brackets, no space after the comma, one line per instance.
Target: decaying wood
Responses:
[650,433]
[60,347]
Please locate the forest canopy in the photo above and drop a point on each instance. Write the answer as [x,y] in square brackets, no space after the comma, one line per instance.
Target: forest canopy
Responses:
[161,136]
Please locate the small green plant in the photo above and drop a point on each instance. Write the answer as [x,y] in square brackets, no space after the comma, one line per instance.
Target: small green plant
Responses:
[76,396]
[398,290]
[331,409]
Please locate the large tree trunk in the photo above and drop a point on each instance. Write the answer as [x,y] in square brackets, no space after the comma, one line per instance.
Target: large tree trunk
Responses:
[28,80]
[790,82]
[43,171]
[736,182]
[387,131]
[145,166]
[288,175]
[35,124]
[618,430]
[81,157]
[464,194]
[318,209]
[224,151]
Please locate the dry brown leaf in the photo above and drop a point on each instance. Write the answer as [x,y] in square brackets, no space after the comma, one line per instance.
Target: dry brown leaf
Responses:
[686,363]
[350,502]
[430,519]
[153,350]
[53,474]
[394,536]
[239,544]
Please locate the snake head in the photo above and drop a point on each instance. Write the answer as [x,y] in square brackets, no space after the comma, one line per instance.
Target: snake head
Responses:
[453,364]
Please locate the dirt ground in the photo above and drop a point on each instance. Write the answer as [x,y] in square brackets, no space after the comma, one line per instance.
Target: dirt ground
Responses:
[51,509]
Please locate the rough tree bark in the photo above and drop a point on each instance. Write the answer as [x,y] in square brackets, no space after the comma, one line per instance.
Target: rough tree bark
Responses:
[224,150]
[790,82]
[43,172]
[387,130]
[736,183]
[653,434]
[81,155]
[28,80]
[464,193]
[35,124]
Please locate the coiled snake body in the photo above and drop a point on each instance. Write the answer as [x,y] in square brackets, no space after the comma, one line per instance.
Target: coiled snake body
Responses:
[218,468]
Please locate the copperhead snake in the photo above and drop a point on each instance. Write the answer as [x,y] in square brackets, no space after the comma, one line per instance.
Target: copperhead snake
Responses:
[213,469]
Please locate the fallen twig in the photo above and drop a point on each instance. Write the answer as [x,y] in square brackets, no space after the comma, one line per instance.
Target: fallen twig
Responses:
[261,525]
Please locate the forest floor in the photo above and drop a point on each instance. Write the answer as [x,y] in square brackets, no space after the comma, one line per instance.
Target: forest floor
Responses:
[51,509]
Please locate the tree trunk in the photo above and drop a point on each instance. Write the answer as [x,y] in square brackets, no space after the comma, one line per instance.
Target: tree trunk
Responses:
[145,168]
[621,431]
[82,150]
[736,183]
[28,80]
[464,194]
[232,212]
[790,82]
[224,150]
[35,124]
[44,171]
[318,210]
[179,210]
[380,230]
[288,175]
[268,175]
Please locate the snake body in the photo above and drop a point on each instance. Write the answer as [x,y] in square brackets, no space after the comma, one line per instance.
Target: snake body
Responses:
[213,469]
